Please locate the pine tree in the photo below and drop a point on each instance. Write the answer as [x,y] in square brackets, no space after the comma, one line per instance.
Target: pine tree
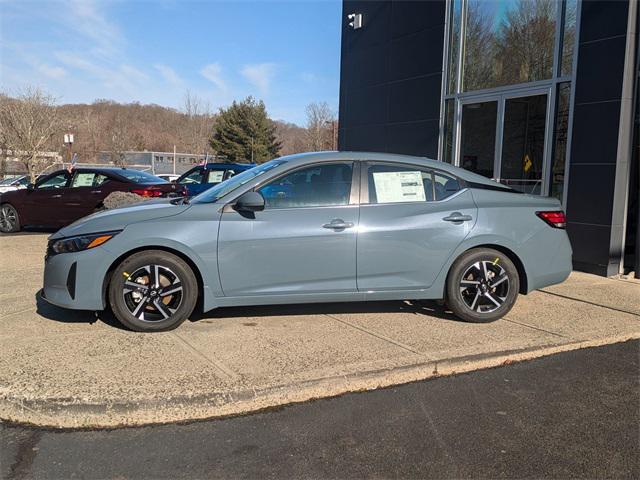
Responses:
[244,132]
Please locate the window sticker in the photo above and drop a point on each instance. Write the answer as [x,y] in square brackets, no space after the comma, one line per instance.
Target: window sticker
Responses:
[84,180]
[399,187]
[215,176]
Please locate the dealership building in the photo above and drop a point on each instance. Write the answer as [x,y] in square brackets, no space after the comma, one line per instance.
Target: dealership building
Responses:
[541,95]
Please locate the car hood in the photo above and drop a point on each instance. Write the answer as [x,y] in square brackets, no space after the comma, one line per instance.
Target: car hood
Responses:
[119,218]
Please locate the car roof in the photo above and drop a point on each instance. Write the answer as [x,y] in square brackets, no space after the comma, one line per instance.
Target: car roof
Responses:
[311,157]
[229,165]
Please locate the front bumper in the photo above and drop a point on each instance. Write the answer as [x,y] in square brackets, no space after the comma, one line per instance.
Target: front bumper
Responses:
[75,280]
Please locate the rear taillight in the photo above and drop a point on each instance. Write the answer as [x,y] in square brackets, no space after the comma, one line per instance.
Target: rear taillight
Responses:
[148,192]
[555,218]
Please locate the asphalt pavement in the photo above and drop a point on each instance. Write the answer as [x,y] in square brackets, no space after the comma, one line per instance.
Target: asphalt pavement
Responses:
[574,414]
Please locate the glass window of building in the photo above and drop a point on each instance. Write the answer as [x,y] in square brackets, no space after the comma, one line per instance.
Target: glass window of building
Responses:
[507,42]
[568,36]
[560,140]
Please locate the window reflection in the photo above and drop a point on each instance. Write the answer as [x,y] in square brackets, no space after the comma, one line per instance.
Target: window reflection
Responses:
[508,42]
[560,140]
[568,36]
[478,137]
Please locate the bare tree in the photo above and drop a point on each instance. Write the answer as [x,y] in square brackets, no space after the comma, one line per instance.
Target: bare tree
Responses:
[199,123]
[118,141]
[320,126]
[28,125]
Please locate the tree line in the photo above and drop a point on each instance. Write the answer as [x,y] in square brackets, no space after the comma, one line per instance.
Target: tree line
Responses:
[31,123]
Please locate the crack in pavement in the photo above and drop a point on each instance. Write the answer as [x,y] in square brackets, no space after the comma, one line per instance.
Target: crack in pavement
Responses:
[381,337]
[221,367]
[620,310]
[534,328]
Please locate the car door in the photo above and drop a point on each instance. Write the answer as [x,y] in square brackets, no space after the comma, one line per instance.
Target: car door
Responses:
[85,193]
[303,242]
[44,204]
[411,220]
[193,180]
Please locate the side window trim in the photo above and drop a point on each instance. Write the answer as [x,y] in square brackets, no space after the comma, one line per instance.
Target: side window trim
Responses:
[364,180]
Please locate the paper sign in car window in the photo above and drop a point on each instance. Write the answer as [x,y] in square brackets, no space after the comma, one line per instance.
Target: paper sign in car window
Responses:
[83,180]
[394,187]
[215,176]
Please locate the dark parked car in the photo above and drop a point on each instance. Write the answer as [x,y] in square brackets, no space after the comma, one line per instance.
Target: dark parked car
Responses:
[202,177]
[63,197]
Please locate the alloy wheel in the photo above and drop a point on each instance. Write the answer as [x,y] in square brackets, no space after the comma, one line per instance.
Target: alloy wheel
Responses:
[152,293]
[8,218]
[484,286]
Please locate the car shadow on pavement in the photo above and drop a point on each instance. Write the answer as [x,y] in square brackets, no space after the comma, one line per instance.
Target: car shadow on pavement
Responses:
[427,308]
[63,315]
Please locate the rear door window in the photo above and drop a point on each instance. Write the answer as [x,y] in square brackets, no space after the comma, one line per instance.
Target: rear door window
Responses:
[402,184]
[215,176]
[88,179]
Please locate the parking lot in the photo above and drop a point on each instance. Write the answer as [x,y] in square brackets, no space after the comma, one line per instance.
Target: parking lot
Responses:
[65,368]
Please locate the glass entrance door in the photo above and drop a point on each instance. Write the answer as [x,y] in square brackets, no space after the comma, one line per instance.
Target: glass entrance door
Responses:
[478,137]
[523,141]
[504,137]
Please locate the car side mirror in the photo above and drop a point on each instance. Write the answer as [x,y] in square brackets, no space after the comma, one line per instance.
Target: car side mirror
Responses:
[31,186]
[249,202]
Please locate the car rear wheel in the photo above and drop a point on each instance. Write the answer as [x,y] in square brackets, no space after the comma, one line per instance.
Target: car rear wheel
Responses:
[153,291]
[482,285]
[9,219]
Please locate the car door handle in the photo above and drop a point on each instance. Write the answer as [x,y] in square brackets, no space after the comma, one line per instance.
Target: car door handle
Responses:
[338,224]
[56,196]
[457,217]
[96,191]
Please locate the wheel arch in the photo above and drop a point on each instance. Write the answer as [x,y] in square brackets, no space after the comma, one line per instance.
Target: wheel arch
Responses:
[522,273]
[146,248]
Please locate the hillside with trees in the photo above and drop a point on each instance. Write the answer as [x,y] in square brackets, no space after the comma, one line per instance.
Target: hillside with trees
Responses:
[108,126]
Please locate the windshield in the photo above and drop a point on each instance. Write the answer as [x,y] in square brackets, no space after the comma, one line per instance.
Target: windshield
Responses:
[139,176]
[217,192]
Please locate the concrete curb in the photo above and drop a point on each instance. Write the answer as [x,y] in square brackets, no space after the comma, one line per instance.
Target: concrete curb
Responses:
[76,413]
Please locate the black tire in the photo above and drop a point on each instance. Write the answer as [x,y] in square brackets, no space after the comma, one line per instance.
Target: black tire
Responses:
[476,290]
[168,301]
[9,219]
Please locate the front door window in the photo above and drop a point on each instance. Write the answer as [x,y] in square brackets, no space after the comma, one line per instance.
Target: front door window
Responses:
[56,181]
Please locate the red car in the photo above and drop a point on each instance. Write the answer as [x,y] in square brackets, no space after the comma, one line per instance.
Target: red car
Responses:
[63,197]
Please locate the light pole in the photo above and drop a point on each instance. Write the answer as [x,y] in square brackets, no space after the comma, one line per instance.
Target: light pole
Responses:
[334,139]
[68,140]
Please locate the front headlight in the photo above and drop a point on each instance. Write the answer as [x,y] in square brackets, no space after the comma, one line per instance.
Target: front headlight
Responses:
[81,242]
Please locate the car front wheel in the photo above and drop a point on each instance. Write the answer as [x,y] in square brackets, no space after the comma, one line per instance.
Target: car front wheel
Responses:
[153,291]
[482,285]
[9,219]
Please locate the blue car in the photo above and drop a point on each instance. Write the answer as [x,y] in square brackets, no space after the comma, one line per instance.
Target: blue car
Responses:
[317,227]
[203,177]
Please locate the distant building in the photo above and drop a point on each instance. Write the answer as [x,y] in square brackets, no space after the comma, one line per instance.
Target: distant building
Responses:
[158,162]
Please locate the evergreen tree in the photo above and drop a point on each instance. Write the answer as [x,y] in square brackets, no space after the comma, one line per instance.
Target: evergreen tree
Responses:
[244,132]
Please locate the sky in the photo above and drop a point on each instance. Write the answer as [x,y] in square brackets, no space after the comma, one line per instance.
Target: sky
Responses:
[286,53]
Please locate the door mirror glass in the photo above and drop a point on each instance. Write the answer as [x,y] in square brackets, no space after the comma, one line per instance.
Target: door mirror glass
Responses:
[249,202]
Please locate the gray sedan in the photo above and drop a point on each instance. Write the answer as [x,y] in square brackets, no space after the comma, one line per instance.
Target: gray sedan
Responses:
[319,227]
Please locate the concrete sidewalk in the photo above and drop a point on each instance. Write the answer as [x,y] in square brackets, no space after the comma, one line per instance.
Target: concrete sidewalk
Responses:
[71,369]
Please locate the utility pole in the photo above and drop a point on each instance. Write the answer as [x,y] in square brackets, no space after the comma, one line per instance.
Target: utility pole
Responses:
[174,159]
[68,140]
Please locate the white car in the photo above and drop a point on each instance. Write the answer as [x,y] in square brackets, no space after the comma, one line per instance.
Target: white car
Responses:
[14,183]
[169,177]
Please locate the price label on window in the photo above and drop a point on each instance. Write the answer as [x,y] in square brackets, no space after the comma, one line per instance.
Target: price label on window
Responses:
[215,176]
[393,187]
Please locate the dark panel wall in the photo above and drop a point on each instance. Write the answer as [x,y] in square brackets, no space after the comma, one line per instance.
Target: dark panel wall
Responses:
[390,79]
[594,143]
